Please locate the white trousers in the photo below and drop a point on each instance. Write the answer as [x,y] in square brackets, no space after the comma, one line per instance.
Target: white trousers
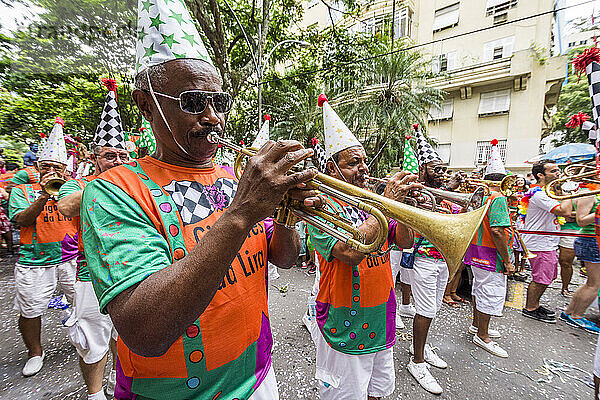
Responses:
[429,280]
[34,286]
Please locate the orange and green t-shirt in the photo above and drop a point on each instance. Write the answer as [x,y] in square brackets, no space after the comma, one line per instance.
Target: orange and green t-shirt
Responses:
[26,175]
[356,305]
[482,252]
[69,187]
[52,239]
[141,217]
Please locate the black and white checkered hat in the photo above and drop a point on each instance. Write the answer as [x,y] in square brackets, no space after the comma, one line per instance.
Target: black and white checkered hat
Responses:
[589,61]
[425,153]
[593,74]
[319,158]
[110,131]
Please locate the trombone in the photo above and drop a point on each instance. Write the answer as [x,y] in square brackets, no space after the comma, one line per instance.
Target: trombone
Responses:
[589,176]
[451,234]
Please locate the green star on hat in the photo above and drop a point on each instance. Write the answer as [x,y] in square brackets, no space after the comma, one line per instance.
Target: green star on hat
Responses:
[166,32]
[409,162]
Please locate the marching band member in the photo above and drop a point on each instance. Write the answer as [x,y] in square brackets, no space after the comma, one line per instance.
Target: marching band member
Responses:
[429,275]
[490,259]
[176,247]
[48,251]
[93,332]
[356,302]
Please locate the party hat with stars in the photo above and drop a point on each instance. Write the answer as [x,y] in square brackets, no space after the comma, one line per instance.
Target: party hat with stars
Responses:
[109,132]
[263,134]
[166,32]
[337,135]
[147,137]
[409,162]
[495,164]
[55,148]
[425,153]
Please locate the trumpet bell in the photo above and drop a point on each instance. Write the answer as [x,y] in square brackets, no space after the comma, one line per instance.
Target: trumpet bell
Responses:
[52,187]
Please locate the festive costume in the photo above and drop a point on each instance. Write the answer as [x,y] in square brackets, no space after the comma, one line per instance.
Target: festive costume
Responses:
[355,305]
[141,217]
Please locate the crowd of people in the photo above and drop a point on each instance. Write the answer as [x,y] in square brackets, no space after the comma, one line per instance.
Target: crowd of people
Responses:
[165,260]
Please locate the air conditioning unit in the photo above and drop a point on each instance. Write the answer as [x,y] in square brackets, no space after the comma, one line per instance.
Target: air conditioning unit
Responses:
[501,18]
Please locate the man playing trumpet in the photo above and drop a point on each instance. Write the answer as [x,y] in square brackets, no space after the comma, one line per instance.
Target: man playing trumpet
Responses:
[356,304]
[48,251]
[177,248]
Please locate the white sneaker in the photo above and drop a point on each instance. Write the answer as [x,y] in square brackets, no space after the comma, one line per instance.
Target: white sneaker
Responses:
[407,311]
[491,347]
[399,322]
[33,365]
[111,383]
[431,357]
[494,334]
[421,373]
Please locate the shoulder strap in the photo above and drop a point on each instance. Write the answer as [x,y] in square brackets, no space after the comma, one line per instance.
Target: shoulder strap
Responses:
[167,209]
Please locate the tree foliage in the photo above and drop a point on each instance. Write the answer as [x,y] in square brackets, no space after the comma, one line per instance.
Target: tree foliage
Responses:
[574,97]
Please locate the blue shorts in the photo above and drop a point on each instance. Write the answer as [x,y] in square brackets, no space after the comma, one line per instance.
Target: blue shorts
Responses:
[586,249]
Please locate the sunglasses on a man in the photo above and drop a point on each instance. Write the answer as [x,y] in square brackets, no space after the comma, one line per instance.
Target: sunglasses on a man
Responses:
[196,101]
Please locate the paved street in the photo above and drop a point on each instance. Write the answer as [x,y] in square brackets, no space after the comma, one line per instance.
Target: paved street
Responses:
[473,374]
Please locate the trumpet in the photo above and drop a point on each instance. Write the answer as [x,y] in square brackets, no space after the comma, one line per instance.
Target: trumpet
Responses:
[52,187]
[450,234]
[589,177]
[469,201]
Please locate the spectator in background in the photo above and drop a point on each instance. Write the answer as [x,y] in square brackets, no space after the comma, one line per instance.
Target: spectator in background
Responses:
[531,179]
[29,158]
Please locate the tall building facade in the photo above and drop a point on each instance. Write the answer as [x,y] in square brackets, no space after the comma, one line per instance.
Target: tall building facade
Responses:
[501,79]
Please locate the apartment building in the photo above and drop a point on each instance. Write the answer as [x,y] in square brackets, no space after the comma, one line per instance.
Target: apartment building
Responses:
[501,81]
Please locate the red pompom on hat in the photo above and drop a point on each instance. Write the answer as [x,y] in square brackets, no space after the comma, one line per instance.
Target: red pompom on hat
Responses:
[416,127]
[314,141]
[110,84]
[322,99]
[581,62]
[494,142]
[42,135]
[267,117]
[59,120]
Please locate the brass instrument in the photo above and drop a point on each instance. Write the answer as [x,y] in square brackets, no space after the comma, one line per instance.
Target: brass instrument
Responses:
[469,201]
[589,176]
[576,169]
[526,253]
[450,234]
[53,185]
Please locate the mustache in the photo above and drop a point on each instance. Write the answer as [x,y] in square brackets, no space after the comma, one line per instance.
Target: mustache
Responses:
[206,130]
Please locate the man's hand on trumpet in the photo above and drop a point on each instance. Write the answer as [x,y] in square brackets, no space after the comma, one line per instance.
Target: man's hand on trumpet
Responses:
[400,185]
[456,180]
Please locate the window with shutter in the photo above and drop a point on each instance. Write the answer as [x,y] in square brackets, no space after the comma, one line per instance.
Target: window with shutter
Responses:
[496,102]
[498,6]
[444,112]
[499,48]
[446,17]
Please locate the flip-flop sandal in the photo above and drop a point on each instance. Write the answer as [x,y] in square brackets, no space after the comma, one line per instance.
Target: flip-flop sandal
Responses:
[451,303]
